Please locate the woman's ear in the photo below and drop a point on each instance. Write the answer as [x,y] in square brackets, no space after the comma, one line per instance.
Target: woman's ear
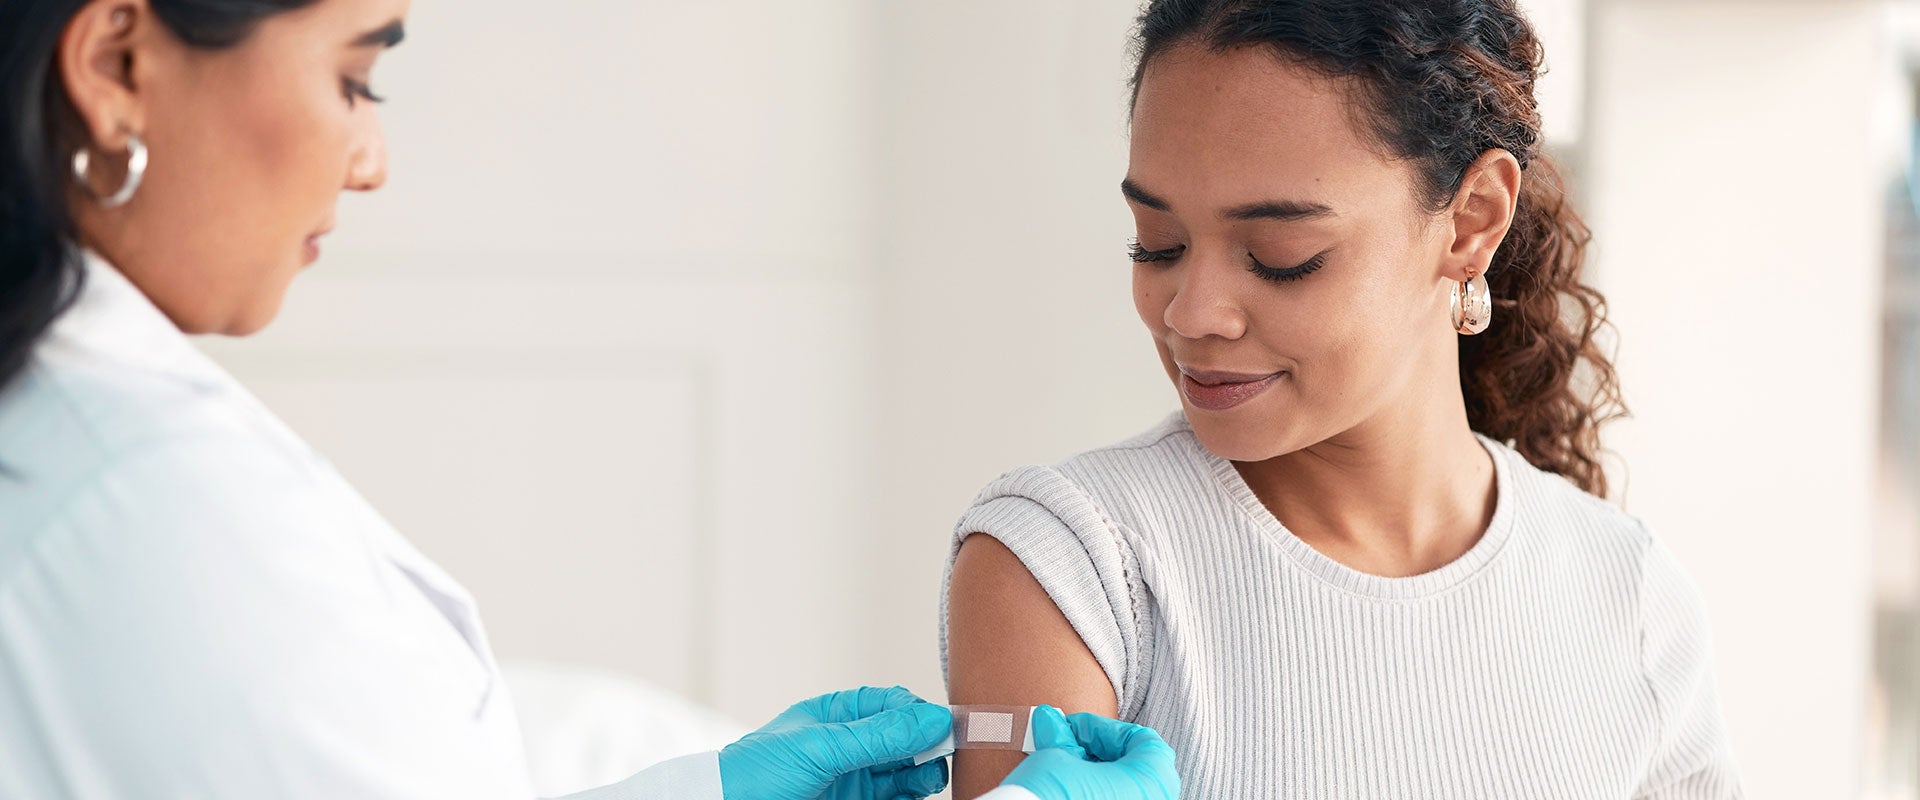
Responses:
[97,61]
[1481,213]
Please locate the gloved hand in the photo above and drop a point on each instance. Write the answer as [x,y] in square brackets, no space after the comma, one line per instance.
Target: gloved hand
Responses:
[1090,757]
[841,746]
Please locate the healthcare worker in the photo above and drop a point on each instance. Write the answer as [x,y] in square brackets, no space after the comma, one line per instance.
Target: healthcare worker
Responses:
[192,603]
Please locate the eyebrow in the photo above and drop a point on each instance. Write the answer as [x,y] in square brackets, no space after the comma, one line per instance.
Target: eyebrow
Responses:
[386,35]
[1267,209]
[1143,197]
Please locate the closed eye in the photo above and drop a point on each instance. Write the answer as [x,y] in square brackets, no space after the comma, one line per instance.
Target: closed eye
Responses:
[1286,274]
[356,90]
[1141,255]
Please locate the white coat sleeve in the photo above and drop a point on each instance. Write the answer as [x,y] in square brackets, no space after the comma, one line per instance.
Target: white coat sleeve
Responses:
[200,620]
[697,777]
[694,777]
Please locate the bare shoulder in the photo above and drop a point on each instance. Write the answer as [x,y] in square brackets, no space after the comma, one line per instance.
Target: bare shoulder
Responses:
[1007,643]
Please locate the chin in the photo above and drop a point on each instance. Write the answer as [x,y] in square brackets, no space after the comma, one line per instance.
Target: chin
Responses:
[256,317]
[253,322]
[1243,435]
[246,327]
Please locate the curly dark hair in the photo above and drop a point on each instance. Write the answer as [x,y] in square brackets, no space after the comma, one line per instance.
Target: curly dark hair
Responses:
[1442,82]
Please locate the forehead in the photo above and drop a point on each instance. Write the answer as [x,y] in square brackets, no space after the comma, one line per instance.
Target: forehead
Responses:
[1233,126]
[361,12]
[330,24]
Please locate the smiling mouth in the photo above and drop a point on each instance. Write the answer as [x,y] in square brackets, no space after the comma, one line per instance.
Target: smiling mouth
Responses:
[1220,391]
[1216,378]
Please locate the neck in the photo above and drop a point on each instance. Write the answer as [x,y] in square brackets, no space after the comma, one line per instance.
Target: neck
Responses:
[1403,493]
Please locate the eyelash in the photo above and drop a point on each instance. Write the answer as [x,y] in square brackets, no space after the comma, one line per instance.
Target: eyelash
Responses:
[1141,255]
[355,89]
[1271,274]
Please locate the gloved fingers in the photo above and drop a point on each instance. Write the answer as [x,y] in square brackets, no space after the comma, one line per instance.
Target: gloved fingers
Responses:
[888,736]
[916,782]
[854,704]
[1103,738]
[892,766]
[1051,732]
[1113,740]
[1151,767]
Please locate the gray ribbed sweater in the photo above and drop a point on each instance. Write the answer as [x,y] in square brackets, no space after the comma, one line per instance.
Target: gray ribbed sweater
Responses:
[1564,656]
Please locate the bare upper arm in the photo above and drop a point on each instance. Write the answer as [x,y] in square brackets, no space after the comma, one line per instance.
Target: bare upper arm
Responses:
[1007,643]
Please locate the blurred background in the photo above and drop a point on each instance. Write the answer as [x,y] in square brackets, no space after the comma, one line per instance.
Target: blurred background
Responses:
[683,332]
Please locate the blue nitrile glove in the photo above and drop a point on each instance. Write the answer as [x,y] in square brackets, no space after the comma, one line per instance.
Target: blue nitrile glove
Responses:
[841,746]
[1090,757]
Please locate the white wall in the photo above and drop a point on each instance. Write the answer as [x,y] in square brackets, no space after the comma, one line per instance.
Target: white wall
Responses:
[1735,198]
[1005,320]
[600,345]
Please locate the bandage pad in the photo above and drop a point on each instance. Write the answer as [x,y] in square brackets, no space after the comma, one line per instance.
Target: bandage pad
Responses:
[986,727]
[993,728]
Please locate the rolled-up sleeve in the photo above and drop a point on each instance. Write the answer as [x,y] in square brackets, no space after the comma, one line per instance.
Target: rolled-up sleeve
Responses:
[1082,560]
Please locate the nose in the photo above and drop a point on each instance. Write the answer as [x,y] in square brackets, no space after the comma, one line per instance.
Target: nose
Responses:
[1204,303]
[368,169]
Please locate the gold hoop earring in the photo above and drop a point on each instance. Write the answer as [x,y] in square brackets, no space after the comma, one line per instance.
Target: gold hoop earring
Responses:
[1472,305]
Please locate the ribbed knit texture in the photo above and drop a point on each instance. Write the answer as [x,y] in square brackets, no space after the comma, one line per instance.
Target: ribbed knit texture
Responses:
[1564,656]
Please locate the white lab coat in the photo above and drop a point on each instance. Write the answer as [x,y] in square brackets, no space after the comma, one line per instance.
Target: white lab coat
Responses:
[195,604]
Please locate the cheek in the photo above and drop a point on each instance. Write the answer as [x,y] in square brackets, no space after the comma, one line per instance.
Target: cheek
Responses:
[1330,326]
[297,141]
[1151,293]
[1360,335]
[245,167]
[260,148]
[1311,319]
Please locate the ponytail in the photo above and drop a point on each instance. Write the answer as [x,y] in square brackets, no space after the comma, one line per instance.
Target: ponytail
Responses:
[1523,376]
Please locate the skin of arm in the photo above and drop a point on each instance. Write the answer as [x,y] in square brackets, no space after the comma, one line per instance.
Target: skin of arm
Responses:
[1007,643]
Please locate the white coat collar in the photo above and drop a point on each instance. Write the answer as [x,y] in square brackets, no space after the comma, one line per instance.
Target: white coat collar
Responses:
[113,324]
[113,321]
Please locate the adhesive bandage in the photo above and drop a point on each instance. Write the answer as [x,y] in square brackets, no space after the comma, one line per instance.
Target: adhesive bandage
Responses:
[985,728]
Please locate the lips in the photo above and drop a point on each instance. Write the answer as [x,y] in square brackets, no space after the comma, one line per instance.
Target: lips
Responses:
[311,247]
[1214,390]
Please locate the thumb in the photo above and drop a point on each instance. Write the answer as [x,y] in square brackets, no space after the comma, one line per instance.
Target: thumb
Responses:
[1051,732]
[1113,740]
[887,737]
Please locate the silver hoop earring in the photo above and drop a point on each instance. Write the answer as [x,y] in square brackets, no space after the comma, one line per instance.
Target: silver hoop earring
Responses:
[1472,306]
[136,171]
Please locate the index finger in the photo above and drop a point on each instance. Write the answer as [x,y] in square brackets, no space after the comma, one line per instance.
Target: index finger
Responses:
[858,704]
[1112,740]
